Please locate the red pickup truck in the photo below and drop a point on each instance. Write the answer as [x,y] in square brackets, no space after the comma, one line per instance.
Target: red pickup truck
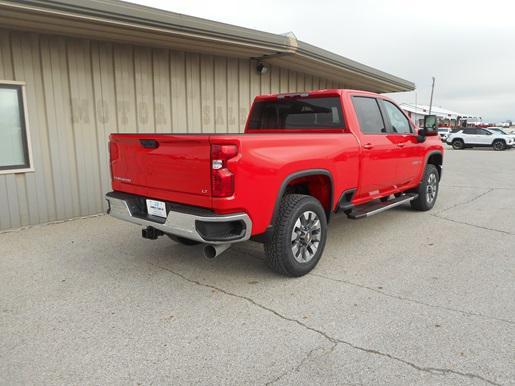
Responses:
[303,158]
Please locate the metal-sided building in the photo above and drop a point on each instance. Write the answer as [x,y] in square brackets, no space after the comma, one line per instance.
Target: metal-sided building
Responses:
[73,71]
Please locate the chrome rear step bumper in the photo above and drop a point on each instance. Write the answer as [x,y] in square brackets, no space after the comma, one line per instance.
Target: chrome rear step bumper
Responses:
[197,224]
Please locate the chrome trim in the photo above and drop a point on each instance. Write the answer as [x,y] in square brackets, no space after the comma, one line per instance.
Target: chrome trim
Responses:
[178,223]
[390,206]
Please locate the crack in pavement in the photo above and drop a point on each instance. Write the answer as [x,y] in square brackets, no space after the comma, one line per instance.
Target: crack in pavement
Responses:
[466,202]
[472,225]
[476,187]
[457,310]
[335,341]
[302,362]
[439,214]
[467,313]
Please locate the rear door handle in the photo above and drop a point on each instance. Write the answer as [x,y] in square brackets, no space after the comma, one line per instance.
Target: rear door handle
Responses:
[400,144]
[368,146]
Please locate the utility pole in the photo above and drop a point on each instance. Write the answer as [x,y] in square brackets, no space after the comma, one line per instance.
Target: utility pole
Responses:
[431,101]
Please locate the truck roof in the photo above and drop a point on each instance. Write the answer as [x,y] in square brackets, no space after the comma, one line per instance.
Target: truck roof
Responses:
[328,92]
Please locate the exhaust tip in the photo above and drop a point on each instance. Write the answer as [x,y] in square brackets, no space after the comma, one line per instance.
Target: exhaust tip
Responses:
[210,251]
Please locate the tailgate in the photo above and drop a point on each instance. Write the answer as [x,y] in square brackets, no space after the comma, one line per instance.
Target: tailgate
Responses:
[170,167]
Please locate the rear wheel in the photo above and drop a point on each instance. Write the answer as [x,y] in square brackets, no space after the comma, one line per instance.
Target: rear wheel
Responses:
[458,144]
[427,190]
[499,145]
[299,236]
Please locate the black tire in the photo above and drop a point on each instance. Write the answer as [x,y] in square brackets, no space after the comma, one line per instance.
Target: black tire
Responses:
[458,144]
[279,254]
[427,196]
[499,145]
[183,240]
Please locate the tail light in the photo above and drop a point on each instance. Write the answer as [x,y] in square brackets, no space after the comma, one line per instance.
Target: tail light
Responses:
[222,180]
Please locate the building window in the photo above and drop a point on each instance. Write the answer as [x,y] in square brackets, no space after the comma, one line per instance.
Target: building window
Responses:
[15,155]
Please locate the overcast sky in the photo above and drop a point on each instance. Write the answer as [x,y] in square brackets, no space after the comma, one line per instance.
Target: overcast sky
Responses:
[469,46]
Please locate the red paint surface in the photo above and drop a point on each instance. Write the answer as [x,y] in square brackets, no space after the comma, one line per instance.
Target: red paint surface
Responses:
[179,169]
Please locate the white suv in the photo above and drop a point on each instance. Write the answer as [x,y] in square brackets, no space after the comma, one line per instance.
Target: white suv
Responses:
[443,132]
[474,136]
[499,130]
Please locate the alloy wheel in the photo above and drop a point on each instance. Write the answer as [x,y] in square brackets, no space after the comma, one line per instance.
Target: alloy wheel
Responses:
[305,236]
[431,188]
[457,145]
[498,145]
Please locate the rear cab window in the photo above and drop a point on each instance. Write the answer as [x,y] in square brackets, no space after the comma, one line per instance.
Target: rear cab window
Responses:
[369,115]
[297,113]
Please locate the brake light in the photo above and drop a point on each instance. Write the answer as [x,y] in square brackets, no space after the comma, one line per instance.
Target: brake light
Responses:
[222,180]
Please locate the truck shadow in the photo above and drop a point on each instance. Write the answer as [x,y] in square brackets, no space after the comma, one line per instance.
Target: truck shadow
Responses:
[246,260]
[241,260]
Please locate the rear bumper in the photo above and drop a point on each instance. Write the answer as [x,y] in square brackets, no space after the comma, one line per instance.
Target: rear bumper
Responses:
[193,223]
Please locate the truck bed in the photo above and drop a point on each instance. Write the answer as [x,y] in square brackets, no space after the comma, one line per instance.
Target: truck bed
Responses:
[177,167]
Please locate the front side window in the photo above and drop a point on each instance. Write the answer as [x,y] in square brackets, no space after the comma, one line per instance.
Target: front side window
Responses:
[398,120]
[14,150]
[297,113]
[369,115]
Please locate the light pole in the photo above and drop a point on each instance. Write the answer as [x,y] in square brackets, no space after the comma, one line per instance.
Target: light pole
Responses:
[431,100]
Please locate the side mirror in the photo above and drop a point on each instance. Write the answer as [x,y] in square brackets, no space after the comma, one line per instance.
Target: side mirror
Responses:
[430,125]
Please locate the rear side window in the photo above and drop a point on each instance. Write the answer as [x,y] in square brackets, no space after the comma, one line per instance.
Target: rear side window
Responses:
[297,113]
[470,131]
[369,115]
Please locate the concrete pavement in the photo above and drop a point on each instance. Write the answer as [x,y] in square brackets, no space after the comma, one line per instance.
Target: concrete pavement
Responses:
[400,298]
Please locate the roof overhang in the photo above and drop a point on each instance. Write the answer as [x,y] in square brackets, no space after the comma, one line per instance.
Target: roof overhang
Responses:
[436,110]
[131,23]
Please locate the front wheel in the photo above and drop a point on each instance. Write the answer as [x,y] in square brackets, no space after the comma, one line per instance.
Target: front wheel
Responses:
[458,144]
[298,237]
[427,189]
[499,145]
